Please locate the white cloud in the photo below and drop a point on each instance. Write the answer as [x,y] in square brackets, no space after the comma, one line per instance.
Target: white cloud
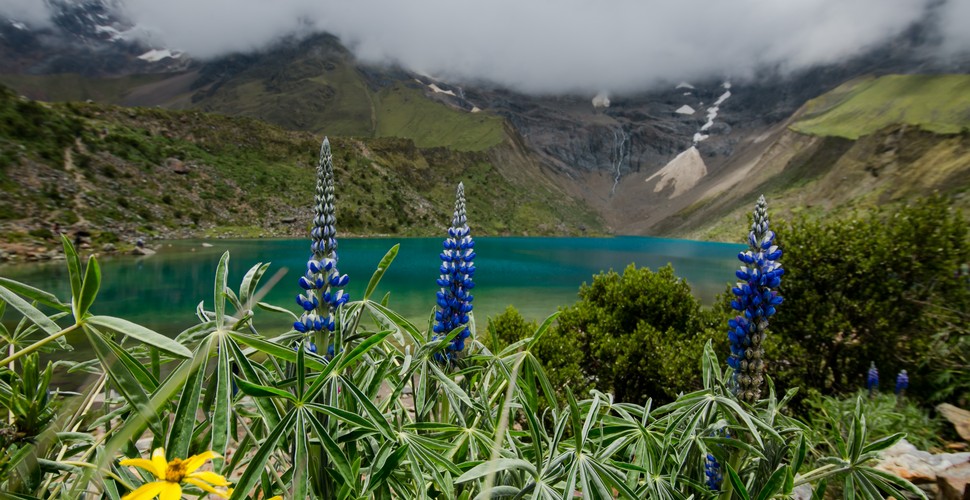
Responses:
[553,45]
[31,12]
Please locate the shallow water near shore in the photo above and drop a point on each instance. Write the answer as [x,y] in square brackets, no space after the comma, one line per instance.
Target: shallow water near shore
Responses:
[536,275]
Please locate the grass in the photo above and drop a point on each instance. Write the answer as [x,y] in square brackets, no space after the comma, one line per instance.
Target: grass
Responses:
[936,103]
[405,112]
[74,87]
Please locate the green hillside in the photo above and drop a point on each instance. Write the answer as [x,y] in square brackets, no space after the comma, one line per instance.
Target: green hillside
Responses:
[116,172]
[937,103]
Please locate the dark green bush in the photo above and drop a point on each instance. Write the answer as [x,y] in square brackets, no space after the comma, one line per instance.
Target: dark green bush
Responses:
[878,287]
[637,335]
[507,328]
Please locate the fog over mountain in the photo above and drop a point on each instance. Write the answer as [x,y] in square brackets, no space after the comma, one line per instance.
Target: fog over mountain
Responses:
[552,45]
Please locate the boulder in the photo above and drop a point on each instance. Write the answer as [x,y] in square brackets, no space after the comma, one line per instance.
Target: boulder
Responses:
[176,166]
[949,472]
[959,417]
[142,251]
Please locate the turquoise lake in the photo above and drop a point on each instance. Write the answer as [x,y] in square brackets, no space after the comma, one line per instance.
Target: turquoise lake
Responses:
[536,275]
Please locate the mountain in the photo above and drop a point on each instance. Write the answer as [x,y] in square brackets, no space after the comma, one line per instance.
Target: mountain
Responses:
[680,160]
[111,174]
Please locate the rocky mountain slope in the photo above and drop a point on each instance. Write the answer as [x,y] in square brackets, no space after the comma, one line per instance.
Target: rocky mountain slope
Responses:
[646,163]
[109,175]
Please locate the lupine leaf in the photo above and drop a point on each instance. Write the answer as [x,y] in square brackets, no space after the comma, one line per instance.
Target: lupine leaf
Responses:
[262,391]
[375,415]
[381,269]
[276,350]
[73,269]
[183,422]
[126,383]
[497,465]
[222,413]
[35,294]
[249,283]
[141,333]
[219,298]
[301,458]
[30,312]
[736,483]
[774,483]
[336,455]
[254,469]
[89,287]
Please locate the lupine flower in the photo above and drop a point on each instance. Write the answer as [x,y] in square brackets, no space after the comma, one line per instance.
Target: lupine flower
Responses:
[872,378]
[171,475]
[902,382]
[322,283]
[755,300]
[457,270]
[712,469]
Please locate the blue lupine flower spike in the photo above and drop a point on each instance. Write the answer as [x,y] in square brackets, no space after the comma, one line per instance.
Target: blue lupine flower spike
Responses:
[756,297]
[712,469]
[457,269]
[322,281]
[872,378]
[902,382]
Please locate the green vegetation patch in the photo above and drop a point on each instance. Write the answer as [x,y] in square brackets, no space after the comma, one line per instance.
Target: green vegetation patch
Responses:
[406,112]
[937,103]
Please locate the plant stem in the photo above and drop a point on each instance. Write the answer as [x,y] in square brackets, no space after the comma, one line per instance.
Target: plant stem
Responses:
[37,345]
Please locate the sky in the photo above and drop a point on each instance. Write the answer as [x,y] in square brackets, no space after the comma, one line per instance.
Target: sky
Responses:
[551,45]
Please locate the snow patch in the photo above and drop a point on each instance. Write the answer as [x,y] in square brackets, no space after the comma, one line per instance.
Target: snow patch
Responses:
[19,25]
[685,110]
[438,90]
[476,109]
[602,100]
[683,172]
[687,93]
[110,31]
[726,85]
[684,85]
[698,137]
[156,55]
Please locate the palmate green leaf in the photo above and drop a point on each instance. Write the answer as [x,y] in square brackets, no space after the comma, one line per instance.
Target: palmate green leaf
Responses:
[35,294]
[73,269]
[377,479]
[135,367]
[30,312]
[140,333]
[774,483]
[381,269]
[397,320]
[250,282]
[355,420]
[219,290]
[891,483]
[376,417]
[301,458]
[271,307]
[267,410]
[122,378]
[183,423]
[736,483]
[254,469]
[222,412]
[312,360]
[263,391]
[336,455]
[89,287]
[495,466]
[362,348]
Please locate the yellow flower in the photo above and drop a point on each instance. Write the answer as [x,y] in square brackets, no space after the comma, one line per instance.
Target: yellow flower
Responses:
[172,473]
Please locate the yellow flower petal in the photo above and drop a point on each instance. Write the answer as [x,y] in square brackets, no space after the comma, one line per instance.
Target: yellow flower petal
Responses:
[161,465]
[171,491]
[206,487]
[146,491]
[144,464]
[277,497]
[193,463]
[210,477]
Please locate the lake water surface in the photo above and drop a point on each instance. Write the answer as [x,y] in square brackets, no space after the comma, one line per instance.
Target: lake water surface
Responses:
[536,275]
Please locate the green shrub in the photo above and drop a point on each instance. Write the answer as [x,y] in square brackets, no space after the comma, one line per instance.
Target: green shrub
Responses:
[507,328]
[636,335]
[875,288]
